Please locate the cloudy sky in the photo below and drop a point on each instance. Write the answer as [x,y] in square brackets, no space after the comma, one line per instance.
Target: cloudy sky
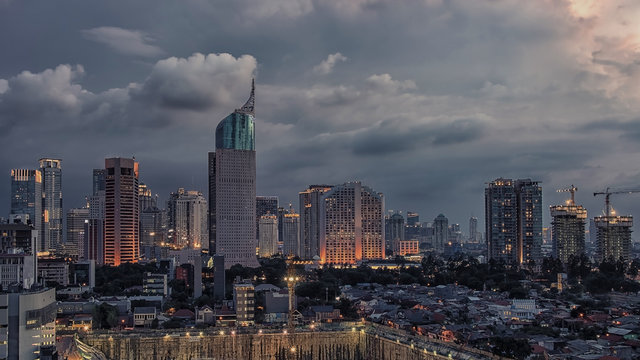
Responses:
[424,100]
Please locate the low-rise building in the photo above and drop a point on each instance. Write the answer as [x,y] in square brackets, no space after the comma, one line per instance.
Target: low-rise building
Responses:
[144,315]
[244,303]
[155,284]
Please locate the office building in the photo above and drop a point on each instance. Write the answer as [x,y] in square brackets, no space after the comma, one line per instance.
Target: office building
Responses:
[219,285]
[76,220]
[188,219]
[152,227]
[232,187]
[352,224]
[406,247]
[291,234]
[155,284]
[568,225]
[310,214]
[18,268]
[29,324]
[26,200]
[244,303]
[193,258]
[513,220]
[99,180]
[93,245]
[473,230]
[121,225]
[83,273]
[19,235]
[53,271]
[440,233]
[265,205]
[145,197]
[396,231]
[613,237]
[268,239]
[413,218]
[51,170]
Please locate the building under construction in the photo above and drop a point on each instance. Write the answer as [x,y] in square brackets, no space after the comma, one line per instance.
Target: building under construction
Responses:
[568,222]
[613,237]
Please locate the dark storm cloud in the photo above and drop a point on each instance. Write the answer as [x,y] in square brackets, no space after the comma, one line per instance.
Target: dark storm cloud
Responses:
[434,99]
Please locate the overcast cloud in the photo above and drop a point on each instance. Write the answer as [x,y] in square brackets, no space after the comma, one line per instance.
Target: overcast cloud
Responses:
[425,101]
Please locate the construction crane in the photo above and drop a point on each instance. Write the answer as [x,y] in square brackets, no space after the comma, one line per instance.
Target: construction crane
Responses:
[571,190]
[607,194]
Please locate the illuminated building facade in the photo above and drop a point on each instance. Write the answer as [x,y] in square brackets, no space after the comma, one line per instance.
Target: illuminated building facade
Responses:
[352,224]
[440,233]
[232,187]
[51,170]
[310,214]
[26,199]
[265,205]
[121,225]
[268,239]
[406,247]
[513,220]
[568,222]
[191,220]
[291,234]
[613,239]
[76,220]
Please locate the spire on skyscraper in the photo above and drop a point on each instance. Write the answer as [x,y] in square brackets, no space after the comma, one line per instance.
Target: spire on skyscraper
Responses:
[249,106]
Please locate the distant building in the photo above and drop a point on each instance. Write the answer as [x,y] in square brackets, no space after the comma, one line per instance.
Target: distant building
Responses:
[310,215]
[192,257]
[51,170]
[122,216]
[244,303]
[232,187]
[440,233]
[473,230]
[19,269]
[218,278]
[352,224]
[26,200]
[28,323]
[18,235]
[568,222]
[76,220]
[152,227]
[406,247]
[513,220]
[413,218]
[613,237]
[396,222]
[54,270]
[145,197]
[155,284]
[265,205]
[268,239]
[83,273]
[291,234]
[188,219]
[93,245]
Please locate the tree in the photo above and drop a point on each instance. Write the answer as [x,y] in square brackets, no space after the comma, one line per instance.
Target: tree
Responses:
[105,316]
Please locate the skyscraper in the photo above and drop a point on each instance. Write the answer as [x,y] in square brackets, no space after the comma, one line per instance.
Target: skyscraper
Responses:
[413,218]
[568,222]
[121,229]
[310,214]
[188,216]
[26,199]
[352,224]
[51,170]
[232,187]
[473,229]
[268,240]
[513,220]
[613,237]
[440,232]
[92,247]
[76,220]
[291,234]
[265,205]
[152,230]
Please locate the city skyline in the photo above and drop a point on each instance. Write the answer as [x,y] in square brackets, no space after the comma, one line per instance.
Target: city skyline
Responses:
[467,90]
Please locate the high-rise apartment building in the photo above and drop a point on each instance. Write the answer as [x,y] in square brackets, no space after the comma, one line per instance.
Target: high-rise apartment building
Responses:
[232,187]
[291,234]
[613,237]
[513,220]
[265,205]
[188,219]
[310,214]
[268,239]
[568,222]
[51,170]
[121,225]
[352,224]
[26,199]
[440,233]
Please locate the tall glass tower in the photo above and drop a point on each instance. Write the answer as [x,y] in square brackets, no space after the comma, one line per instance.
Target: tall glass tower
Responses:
[26,199]
[51,170]
[232,188]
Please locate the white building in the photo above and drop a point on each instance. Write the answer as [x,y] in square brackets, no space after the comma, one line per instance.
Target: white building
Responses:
[268,239]
[17,268]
